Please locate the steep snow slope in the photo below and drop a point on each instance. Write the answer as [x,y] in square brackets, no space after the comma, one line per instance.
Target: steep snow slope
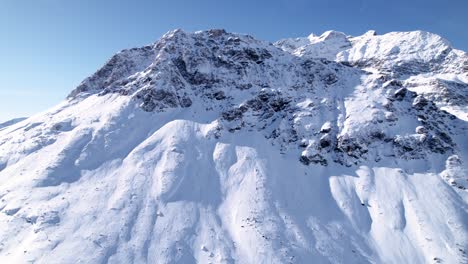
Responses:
[212,147]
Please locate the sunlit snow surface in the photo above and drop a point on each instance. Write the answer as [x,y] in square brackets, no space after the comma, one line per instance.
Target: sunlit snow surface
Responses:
[98,179]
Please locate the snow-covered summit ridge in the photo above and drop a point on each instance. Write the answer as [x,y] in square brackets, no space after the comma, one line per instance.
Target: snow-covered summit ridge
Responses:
[423,61]
[325,46]
[411,45]
[254,84]
[397,53]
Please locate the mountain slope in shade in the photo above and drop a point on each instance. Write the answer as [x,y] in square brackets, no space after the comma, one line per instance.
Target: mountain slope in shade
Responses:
[11,122]
[213,147]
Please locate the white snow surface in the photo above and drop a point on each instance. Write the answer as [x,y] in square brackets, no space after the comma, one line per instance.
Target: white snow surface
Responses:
[212,147]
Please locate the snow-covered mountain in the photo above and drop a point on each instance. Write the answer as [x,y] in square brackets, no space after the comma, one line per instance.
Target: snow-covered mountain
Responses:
[214,147]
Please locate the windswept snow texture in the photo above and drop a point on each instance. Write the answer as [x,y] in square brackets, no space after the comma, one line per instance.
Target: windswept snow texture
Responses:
[213,147]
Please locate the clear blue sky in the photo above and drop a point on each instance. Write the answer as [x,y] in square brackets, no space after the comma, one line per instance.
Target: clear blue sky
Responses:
[48,46]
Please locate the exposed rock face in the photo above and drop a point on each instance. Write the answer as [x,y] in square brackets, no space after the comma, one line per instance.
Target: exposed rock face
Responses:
[281,93]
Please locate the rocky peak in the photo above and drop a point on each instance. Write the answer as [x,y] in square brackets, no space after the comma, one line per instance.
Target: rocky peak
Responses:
[285,93]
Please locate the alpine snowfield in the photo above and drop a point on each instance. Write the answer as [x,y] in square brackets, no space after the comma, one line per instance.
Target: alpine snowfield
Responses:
[214,147]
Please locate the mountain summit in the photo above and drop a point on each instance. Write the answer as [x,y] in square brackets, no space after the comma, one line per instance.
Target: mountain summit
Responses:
[215,147]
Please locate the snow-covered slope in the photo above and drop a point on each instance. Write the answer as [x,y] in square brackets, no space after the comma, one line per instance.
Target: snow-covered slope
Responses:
[11,122]
[213,147]
[425,62]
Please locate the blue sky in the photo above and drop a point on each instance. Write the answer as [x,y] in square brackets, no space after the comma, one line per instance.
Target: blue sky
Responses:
[48,46]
